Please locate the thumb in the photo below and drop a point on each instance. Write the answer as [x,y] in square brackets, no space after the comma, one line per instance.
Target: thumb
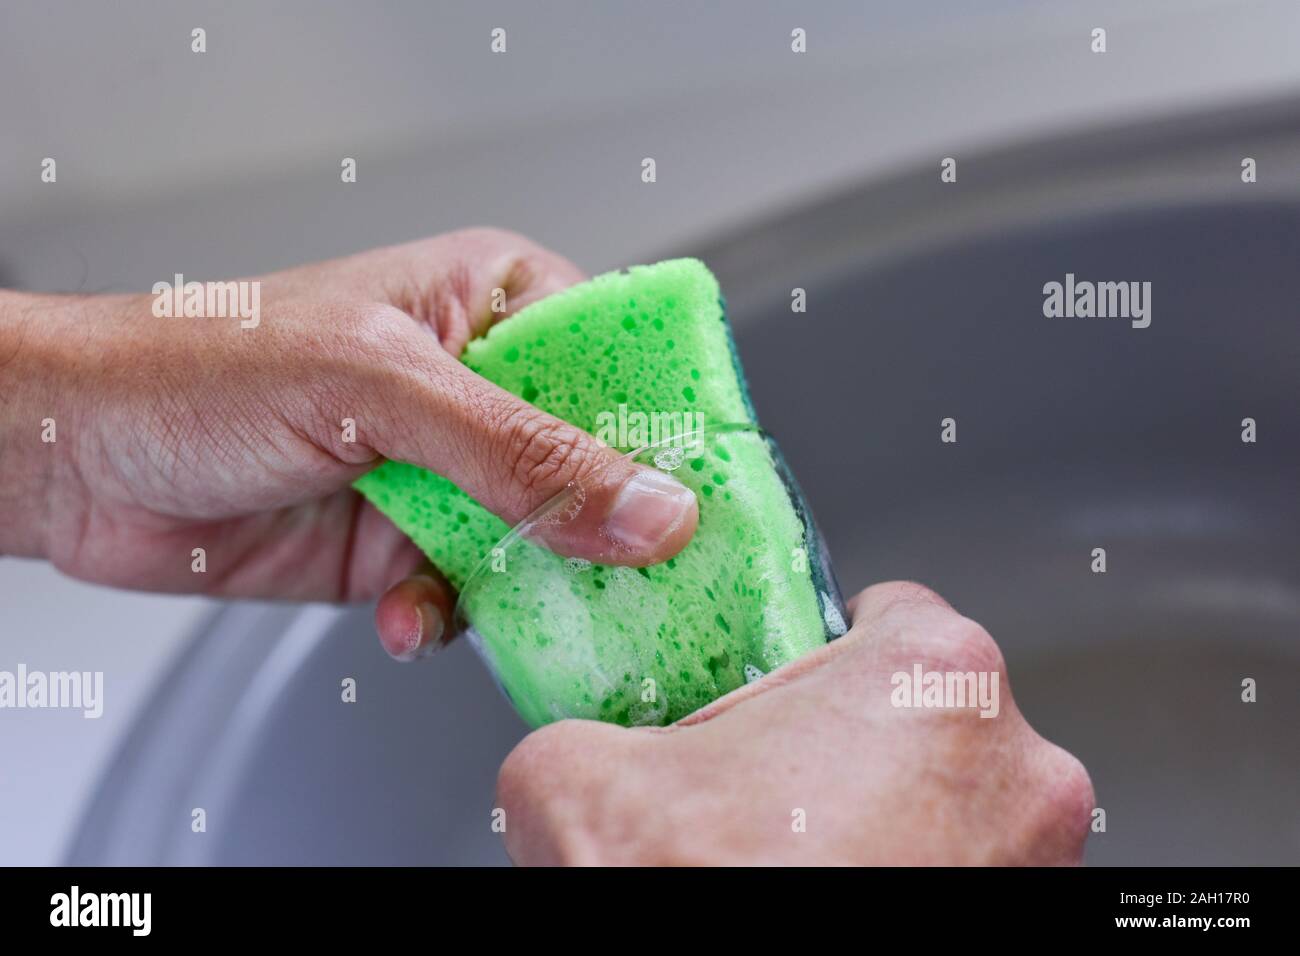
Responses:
[513,458]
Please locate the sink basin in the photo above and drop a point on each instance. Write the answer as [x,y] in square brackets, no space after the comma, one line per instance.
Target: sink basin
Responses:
[925,302]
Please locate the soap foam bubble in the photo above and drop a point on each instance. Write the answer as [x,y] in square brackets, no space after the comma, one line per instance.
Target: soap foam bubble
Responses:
[627,615]
[832,616]
[631,599]
[564,507]
[670,459]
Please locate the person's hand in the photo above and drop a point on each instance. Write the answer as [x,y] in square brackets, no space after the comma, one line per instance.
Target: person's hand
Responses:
[176,433]
[813,764]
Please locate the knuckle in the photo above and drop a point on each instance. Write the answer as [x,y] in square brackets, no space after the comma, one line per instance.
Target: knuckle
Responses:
[371,333]
[896,595]
[546,787]
[493,236]
[971,647]
[378,364]
[535,761]
[515,261]
[1070,792]
[952,643]
[893,618]
[1060,815]
[913,591]
[890,606]
[541,454]
[487,244]
[350,354]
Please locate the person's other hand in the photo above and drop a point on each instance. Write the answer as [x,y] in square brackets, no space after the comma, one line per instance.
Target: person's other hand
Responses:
[813,765]
[177,433]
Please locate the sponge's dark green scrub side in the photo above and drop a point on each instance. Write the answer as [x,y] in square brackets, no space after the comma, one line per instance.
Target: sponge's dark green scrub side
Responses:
[609,356]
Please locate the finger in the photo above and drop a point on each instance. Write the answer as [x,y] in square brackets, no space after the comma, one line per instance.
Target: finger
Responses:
[414,616]
[466,281]
[525,271]
[446,282]
[430,410]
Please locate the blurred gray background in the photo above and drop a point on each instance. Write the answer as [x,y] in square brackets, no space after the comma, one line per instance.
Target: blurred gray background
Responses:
[227,163]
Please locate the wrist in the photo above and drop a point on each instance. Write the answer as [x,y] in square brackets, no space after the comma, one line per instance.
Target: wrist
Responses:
[40,384]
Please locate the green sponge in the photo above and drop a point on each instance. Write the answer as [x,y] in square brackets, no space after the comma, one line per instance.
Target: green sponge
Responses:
[627,356]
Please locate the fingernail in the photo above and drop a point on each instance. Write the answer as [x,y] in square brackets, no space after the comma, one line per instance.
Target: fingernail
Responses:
[425,637]
[648,508]
[433,642]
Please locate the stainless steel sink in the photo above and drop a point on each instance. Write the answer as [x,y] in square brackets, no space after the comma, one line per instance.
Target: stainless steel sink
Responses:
[924,302]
